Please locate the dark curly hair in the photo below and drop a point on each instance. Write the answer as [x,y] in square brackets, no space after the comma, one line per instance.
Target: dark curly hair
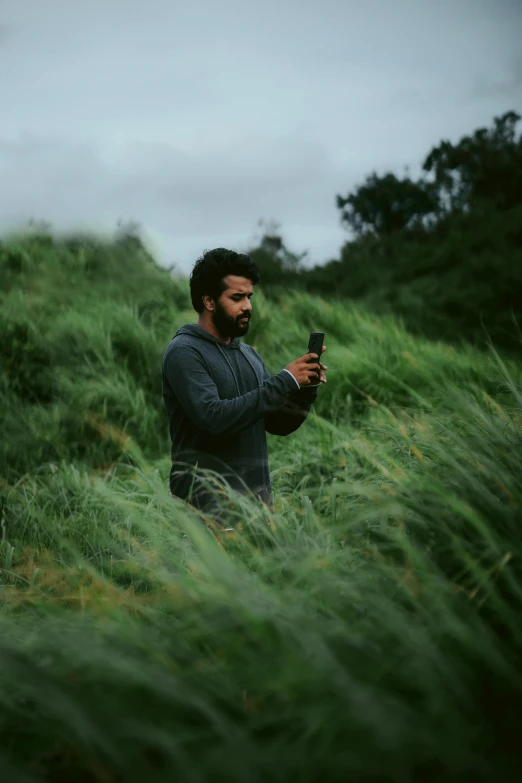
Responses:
[206,278]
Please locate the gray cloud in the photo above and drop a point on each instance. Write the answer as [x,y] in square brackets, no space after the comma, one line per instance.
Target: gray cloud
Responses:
[508,86]
[197,120]
[184,195]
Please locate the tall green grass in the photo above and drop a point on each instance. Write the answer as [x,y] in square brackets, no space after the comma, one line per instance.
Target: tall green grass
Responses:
[367,629]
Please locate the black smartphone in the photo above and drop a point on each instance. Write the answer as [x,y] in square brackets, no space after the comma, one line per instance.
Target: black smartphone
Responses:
[315,345]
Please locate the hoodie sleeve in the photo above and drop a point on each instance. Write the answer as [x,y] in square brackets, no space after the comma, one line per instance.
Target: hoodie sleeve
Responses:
[290,417]
[187,373]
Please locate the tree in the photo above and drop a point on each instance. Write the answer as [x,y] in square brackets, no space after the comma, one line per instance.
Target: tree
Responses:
[385,205]
[486,166]
[275,261]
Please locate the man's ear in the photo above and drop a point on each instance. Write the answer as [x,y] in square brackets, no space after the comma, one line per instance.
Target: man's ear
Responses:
[208,303]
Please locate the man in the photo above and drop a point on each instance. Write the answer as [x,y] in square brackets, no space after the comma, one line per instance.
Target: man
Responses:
[219,397]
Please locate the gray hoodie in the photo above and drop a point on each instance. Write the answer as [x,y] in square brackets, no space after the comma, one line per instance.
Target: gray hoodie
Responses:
[220,401]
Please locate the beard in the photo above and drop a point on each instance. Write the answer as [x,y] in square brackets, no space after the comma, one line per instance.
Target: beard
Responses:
[227,325]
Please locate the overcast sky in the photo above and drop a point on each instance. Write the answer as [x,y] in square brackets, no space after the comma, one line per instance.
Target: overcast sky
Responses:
[199,118]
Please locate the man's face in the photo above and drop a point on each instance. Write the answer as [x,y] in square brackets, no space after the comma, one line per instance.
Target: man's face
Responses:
[233,306]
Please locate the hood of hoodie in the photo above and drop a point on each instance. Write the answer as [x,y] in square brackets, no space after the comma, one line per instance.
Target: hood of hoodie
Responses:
[197,331]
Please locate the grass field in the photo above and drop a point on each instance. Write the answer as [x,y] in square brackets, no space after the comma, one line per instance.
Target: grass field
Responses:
[368,630]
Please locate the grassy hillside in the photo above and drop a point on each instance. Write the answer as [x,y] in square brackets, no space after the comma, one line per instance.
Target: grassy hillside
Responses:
[368,629]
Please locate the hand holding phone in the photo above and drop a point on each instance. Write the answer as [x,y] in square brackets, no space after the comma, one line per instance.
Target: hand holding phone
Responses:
[307,369]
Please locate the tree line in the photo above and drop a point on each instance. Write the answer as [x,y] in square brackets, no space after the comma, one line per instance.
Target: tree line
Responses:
[443,251]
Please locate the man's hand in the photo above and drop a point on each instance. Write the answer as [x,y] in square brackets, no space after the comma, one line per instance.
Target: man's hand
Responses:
[305,370]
